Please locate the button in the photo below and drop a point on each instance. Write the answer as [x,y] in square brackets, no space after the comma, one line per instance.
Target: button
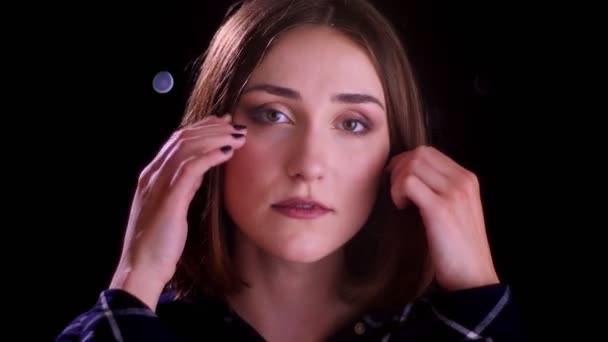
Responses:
[360,328]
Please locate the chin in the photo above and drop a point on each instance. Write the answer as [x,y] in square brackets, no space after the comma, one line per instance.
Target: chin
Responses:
[297,241]
[304,241]
[302,251]
[297,248]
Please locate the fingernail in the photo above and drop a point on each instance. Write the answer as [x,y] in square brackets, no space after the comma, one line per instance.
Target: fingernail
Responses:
[226,149]
[238,135]
[239,127]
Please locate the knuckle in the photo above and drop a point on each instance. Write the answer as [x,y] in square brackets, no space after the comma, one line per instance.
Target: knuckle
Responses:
[421,150]
[408,181]
[188,166]
[182,134]
[143,176]
[473,180]
[172,138]
[414,164]
[212,117]
[181,144]
[419,153]
[469,182]
[458,192]
[144,183]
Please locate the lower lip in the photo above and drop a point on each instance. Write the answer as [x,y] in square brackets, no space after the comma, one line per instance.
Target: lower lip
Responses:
[301,213]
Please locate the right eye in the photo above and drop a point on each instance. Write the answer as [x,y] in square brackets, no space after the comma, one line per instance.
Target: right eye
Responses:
[268,115]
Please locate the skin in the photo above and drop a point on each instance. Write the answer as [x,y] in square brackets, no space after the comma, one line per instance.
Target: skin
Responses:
[307,145]
[304,146]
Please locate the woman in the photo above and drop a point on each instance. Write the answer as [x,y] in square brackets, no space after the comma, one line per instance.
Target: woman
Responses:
[299,201]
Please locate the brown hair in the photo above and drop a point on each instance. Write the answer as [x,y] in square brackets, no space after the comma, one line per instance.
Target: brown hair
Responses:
[387,262]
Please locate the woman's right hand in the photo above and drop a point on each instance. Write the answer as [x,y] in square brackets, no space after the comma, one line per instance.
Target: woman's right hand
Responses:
[157,226]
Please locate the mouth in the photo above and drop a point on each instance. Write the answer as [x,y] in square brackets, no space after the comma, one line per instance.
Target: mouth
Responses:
[301,208]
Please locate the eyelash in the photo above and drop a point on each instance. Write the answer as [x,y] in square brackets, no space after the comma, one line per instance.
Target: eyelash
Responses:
[258,115]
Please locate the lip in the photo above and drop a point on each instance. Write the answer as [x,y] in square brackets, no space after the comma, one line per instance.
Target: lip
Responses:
[290,208]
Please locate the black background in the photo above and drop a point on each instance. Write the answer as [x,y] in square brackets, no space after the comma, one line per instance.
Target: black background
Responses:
[476,63]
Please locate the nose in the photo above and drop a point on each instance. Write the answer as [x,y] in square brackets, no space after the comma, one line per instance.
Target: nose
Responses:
[308,156]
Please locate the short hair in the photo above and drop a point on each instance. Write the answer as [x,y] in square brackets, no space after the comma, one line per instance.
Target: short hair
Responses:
[387,261]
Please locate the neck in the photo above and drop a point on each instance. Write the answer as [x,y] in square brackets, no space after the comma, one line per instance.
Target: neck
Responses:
[289,301]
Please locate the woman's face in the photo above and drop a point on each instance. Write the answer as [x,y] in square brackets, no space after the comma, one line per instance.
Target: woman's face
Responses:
[316,131]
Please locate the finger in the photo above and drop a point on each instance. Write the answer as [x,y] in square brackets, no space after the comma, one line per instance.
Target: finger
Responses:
[391,164]
[189,175]
[206,142]
[209,129]
[218,126]
[414,189]
[225,118]
[399,164]
[461,181]
[419,167]
[396,160]
[186,148]
[196,131]
[441,162]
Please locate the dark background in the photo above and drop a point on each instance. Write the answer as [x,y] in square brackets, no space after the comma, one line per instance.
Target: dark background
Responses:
[476,66]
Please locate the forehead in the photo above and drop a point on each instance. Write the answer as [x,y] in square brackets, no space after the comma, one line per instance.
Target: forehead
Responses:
[318,57]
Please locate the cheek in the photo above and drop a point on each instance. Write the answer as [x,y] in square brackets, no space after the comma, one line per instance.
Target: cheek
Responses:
[260,156]
[250,172]
[361,172]
[364,178]
[255,158]
[364,160]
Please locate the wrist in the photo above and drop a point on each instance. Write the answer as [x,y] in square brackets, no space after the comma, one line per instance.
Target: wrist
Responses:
[469,281]
[140,283]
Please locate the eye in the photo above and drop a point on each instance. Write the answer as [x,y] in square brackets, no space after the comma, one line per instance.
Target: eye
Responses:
[268,115]
[355,125]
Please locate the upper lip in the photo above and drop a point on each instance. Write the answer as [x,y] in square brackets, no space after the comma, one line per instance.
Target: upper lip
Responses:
[294,201]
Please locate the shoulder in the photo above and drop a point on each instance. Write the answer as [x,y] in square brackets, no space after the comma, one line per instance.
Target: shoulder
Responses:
[476,313]
[116,315]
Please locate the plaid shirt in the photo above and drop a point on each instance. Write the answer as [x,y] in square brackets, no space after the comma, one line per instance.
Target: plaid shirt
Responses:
[484,314]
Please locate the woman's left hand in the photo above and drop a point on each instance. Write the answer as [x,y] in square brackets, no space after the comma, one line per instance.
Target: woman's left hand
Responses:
[449,201]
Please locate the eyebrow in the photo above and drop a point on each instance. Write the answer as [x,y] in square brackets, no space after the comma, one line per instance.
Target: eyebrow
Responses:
[294,95]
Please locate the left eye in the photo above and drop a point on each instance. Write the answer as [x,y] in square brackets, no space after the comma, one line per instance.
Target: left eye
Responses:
[353,125]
